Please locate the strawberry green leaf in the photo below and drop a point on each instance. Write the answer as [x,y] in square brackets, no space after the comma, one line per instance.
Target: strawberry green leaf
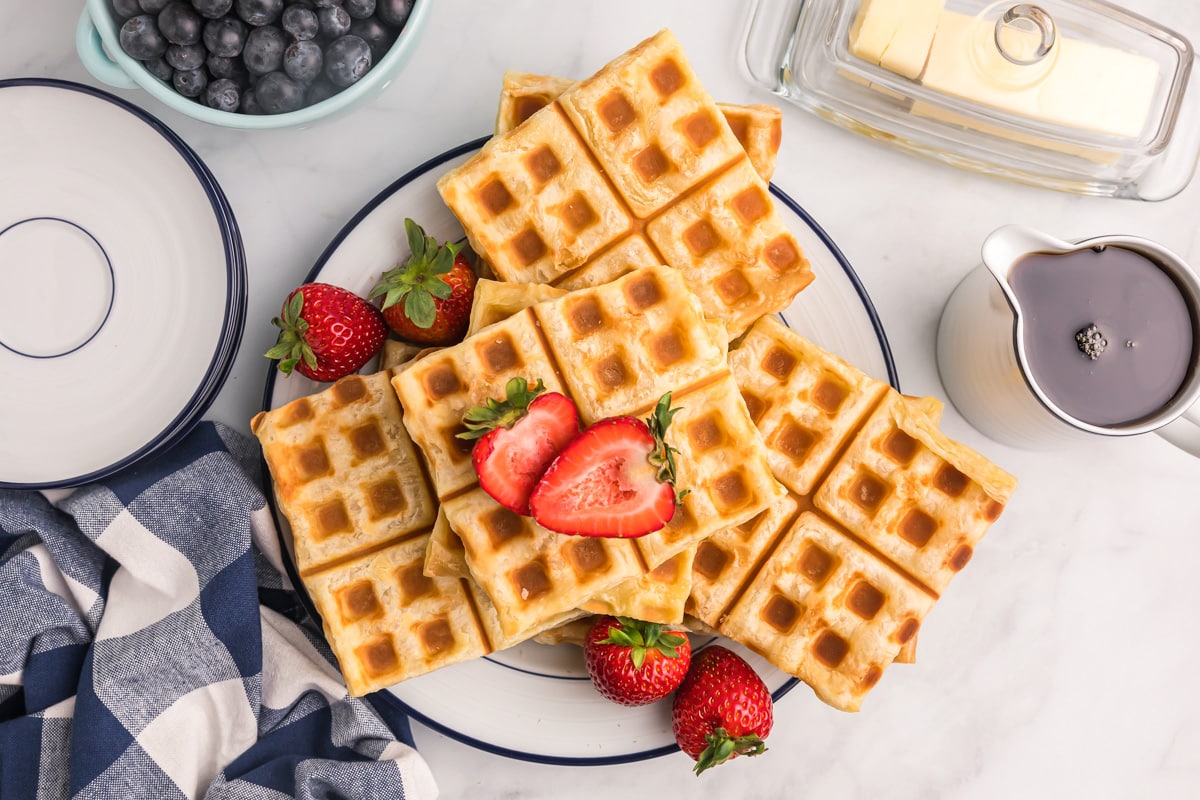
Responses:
[722,747]
[419,308]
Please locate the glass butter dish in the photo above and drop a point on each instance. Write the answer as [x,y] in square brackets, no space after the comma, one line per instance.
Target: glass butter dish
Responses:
[1074,95]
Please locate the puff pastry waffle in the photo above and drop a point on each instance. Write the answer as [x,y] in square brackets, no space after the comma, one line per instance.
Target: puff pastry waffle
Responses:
[346,474]
[831,583]
[615,349]
[638,151]
[758,128]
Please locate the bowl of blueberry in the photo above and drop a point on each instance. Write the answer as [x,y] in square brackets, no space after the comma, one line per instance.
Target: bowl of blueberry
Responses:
[250,63]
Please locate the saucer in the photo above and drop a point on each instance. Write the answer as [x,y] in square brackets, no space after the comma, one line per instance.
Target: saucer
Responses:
[122,285]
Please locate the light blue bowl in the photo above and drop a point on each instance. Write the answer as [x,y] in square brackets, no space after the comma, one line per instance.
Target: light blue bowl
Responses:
[97,40]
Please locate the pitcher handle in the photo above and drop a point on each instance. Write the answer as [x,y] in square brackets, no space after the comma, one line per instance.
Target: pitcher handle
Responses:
[1184,432]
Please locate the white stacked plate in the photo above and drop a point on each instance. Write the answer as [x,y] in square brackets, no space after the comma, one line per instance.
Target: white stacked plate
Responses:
[122,285]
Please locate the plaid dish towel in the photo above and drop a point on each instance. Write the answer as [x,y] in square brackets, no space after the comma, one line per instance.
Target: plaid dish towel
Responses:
[151,646]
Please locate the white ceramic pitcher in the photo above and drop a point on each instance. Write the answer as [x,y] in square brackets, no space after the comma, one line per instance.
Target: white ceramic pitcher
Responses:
[983,364]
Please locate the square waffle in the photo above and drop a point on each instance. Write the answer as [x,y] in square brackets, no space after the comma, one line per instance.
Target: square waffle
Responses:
[346,474]
[496,300]
[639,150]
[874,483]
[758,128]
[828,611]
[615,350]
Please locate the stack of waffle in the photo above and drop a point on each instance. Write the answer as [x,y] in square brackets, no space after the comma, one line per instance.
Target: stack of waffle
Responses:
[636,165]
[638,250]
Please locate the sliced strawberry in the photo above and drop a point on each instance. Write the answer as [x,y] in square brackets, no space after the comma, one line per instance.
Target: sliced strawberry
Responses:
[603,484]
[518,438]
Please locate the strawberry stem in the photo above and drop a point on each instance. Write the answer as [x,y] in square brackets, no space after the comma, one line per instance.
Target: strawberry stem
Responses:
[722,747]
[417,282]
[290,347]
[663,455]
[640,637]
[479,420]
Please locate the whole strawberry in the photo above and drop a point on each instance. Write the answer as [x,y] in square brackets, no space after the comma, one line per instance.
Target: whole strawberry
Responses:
[517,438]
[633,662]
[427,299]
[721,710]
[326,332]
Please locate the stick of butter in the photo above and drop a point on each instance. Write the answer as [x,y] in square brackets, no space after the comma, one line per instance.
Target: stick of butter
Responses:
[895,34]
[1087,86]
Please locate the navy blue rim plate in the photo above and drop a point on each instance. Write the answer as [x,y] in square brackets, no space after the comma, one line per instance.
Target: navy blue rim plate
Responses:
[386,699]
[235,295]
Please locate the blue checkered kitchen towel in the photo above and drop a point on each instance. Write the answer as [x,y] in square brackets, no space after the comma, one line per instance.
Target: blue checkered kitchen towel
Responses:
[151,647]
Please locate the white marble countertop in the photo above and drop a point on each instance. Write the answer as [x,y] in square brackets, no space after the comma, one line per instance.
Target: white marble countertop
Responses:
[1061,664]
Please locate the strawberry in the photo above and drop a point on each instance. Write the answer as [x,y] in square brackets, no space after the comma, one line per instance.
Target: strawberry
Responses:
[518,437]
[616,479]
[437,285]
[721,710]
[326,332]
[633,662]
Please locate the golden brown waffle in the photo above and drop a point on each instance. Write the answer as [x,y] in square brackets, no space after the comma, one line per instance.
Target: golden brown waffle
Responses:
[396,353]
[875,485]
[658,596]
[828,611]
[615,350]
[639,151]
[347,476]
[758,128]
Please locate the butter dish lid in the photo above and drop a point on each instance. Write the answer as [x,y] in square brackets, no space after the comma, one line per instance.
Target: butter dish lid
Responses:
[1075,95]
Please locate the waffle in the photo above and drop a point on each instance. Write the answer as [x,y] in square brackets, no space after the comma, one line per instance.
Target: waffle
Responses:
[832,582]
[347,476]
[615,350]
[396,353]
[637,151]
[758,128]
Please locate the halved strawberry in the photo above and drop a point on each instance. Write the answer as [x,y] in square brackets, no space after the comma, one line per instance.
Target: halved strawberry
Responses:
[518,439]
[616,479]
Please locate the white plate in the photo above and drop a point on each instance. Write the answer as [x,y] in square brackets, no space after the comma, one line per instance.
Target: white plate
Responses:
[122,284]
[535,702]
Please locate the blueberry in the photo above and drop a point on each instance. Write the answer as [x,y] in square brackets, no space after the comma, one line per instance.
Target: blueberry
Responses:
[225,66]
[124,9]
[346,60]
[186,56]
[212,9]
[190,82]
[141,39]
[321,89]
[302,61]
[301,23]
[258,12]
[159,68]
[153,6]
[225,36]
[264,48]
[326,3]
[278,94]
[375,34]
[393,12]
[249,103]
[180,23]
[334,22]
[359,9]
[223,95]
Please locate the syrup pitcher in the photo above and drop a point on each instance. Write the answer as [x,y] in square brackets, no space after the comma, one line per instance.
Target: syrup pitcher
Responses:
[1051,341]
